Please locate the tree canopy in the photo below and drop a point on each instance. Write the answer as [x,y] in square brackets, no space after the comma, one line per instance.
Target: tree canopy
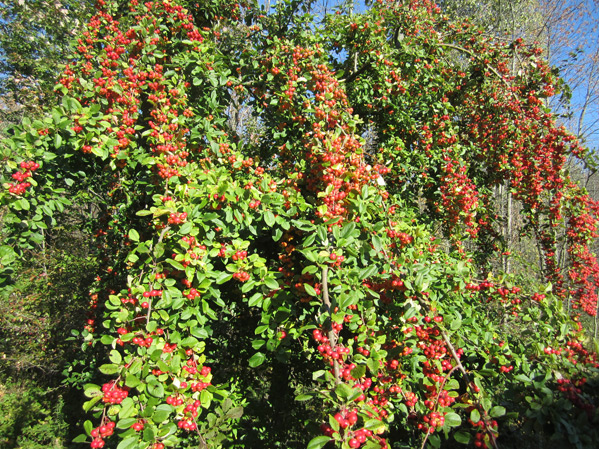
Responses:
[298,232]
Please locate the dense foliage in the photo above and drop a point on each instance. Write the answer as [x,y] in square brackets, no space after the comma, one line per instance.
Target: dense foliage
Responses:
[34,43]
[297,235]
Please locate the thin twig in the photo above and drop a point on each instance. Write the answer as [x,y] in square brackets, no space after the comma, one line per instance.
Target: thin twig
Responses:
[331,333]
[437,400]
[162,234]
[475,56]
[465,373]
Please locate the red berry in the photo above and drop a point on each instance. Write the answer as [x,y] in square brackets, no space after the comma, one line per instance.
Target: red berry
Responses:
[354,443]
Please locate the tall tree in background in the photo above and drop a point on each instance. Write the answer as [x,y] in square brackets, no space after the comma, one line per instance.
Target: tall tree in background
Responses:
[35,42]
[568,32]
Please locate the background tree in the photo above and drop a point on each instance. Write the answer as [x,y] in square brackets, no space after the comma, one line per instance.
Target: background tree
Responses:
[45,283]
[566,31]
[35,40]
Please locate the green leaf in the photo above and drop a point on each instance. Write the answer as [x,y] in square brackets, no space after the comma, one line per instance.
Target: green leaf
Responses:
[156,389]
[82,438]
[475,416]
[91,390]
[109,368]
[161,413]
[303,397]
[318,442]
[127,408]
[343,391]
[199,332]
[7,255]
[176,265]
[318,374]
[434,440]
[369,271]
[373,424]
[256,300]
[128,443]
[376,243]
[269,218]
[371,444]
[132,381]
[206,398]
[347,393]
[87,406]
[486,403]
[186,228]
[135,366]
[115,356]
[310,290]
[271,283]
[462,437]
[223,277]
[310,269]
[497,411]
[453,419]
[452,384]
[133,235]
[234,413]
[257,359]
[358,372]
[125,423]
[456,323]
[347,229]
[373,365]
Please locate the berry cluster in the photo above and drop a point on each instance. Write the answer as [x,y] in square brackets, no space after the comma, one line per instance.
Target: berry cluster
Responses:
[114,394]
[241,276]
[99,433]
[177,218]
[27,169]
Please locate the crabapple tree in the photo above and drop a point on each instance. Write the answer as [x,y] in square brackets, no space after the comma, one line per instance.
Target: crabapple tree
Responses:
[333,260]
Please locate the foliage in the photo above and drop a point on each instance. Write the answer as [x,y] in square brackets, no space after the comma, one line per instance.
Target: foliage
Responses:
[31,418]
[34,42]
[45,298]
[305,286]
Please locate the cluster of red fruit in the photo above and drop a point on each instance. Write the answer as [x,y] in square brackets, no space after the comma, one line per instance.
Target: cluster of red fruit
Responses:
[485,438]
[241,276]
[138,426]
[459,197]
[143,342]
[337,259]
[335,161]
[124,77]
[191,413]
[572,390]
[99,433]
[404,239]
[113,393]
[346,420]
[177,218]
[239,255]
[192,294]
[27,169]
